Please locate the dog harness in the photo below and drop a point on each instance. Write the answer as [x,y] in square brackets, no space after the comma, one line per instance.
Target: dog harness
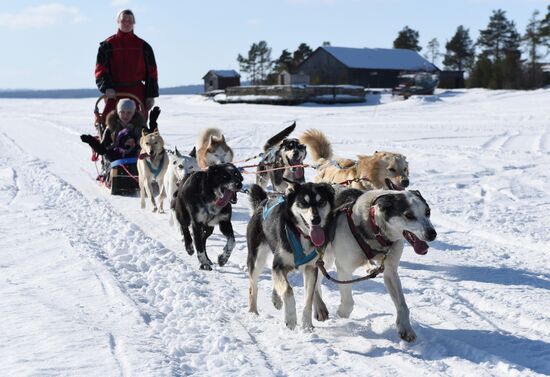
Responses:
[156,171]
[293,238]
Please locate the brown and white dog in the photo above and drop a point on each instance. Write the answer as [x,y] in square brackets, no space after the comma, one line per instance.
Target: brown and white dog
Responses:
[382,170]
[212,149]
[152,166]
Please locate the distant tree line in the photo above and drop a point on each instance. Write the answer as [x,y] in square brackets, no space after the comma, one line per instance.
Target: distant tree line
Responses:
[496,60]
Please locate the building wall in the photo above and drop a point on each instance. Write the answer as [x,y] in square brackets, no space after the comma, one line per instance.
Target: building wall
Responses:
[323,69]
[213,82]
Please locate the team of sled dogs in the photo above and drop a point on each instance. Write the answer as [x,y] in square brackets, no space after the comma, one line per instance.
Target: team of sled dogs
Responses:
[355,214]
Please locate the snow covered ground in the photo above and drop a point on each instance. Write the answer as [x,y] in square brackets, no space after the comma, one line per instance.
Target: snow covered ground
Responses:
[92,285]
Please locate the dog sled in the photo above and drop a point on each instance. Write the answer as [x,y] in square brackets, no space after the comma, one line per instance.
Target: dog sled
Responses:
[120,177]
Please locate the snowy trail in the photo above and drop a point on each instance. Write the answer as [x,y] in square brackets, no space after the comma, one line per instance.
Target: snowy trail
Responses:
[478,300]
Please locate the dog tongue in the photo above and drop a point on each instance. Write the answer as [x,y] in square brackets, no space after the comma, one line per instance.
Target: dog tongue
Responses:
[317,235]
[419,246]
[299,173]
[227,195]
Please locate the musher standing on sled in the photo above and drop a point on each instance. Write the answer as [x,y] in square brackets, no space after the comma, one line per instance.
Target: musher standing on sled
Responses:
[126,63]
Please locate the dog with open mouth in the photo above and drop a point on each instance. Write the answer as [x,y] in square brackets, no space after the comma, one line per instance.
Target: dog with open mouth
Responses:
[152,165]
[282,161]
[203,201]
[292,228]
[369,231]
[382,170]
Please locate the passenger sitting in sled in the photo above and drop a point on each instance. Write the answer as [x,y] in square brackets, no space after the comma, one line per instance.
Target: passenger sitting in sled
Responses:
[121,136]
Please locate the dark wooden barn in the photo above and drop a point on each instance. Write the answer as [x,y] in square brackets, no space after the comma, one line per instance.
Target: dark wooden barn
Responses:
[221,79]
[369,67]
[451,79]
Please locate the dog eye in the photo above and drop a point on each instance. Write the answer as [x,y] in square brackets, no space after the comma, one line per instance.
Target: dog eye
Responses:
[409,216]
[392,170]
[428,212]
[180,166]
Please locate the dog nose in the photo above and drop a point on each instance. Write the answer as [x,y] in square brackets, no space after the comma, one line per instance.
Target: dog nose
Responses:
[431,234]
[316,220]
[405,182]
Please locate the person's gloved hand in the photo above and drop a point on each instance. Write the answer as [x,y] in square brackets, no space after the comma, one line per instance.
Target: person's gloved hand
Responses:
[149,103]
[153,116]
[110,93]
[87,139]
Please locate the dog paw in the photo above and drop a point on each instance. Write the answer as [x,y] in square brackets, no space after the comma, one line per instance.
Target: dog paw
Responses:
[407,334]
[291,322]
[222,259]
[344,312]
[321,314]
[161,211]
[190,250]
[206,267]
[155,209]
[308,327]
[142,205]
[276,299]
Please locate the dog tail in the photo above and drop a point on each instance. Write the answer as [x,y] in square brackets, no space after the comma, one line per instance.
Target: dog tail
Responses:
[318,144]
[279,137]
[257,196]
[205,135]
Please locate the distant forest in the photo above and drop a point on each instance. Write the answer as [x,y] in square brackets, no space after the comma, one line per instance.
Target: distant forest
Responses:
[501,58]
[88,93]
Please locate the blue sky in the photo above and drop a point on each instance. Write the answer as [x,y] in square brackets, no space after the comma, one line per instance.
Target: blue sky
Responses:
[53,45]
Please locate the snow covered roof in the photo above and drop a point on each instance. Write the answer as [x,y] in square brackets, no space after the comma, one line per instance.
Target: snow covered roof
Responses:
[223,73]
[380,58]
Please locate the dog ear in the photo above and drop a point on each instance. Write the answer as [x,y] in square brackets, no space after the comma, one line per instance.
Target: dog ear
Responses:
[144,132]
[327,188]
[178,154]
[385,202]
[193,153]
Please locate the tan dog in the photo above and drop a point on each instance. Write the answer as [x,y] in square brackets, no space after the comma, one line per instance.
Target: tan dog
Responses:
[152,165]
[382,170]
[212,149]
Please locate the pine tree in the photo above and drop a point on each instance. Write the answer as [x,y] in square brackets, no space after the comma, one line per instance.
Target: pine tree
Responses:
[258,63]
[407,38]
[301,54]
[460,51]
[284,62]
[533,38]
[432,53]
[499,44]
[545,28]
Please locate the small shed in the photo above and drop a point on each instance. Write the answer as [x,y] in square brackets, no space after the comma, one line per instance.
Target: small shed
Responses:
[286,78]
[221,79]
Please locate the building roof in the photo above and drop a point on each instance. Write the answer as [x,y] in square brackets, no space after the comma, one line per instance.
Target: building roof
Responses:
[223,73]
[380,58]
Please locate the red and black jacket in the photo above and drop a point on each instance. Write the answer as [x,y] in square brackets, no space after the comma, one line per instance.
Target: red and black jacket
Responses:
[125,61]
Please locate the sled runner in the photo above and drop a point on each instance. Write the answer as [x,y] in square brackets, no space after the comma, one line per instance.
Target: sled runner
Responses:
[119,176]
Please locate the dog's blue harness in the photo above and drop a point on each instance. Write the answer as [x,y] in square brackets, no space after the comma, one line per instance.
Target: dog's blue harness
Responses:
[299,257]
[157,170]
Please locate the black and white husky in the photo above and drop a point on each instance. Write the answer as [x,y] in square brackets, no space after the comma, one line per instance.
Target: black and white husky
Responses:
[179,167]
[202,202]
[282,154]
[371,227]
[291,228]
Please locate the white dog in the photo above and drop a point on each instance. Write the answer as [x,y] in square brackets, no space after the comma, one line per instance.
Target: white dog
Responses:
[179,166]
[371,226]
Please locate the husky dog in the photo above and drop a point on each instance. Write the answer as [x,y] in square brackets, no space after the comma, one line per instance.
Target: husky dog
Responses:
[204,201]
[212,148]
[178,168]
[281,152]
[291,228]
[371,227]
[152,165]
[382,170]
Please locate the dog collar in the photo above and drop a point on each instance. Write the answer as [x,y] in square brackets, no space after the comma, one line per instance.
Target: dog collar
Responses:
[376,230]
[369,252]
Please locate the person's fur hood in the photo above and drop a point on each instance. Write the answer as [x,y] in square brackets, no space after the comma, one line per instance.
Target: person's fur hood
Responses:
[114,125]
